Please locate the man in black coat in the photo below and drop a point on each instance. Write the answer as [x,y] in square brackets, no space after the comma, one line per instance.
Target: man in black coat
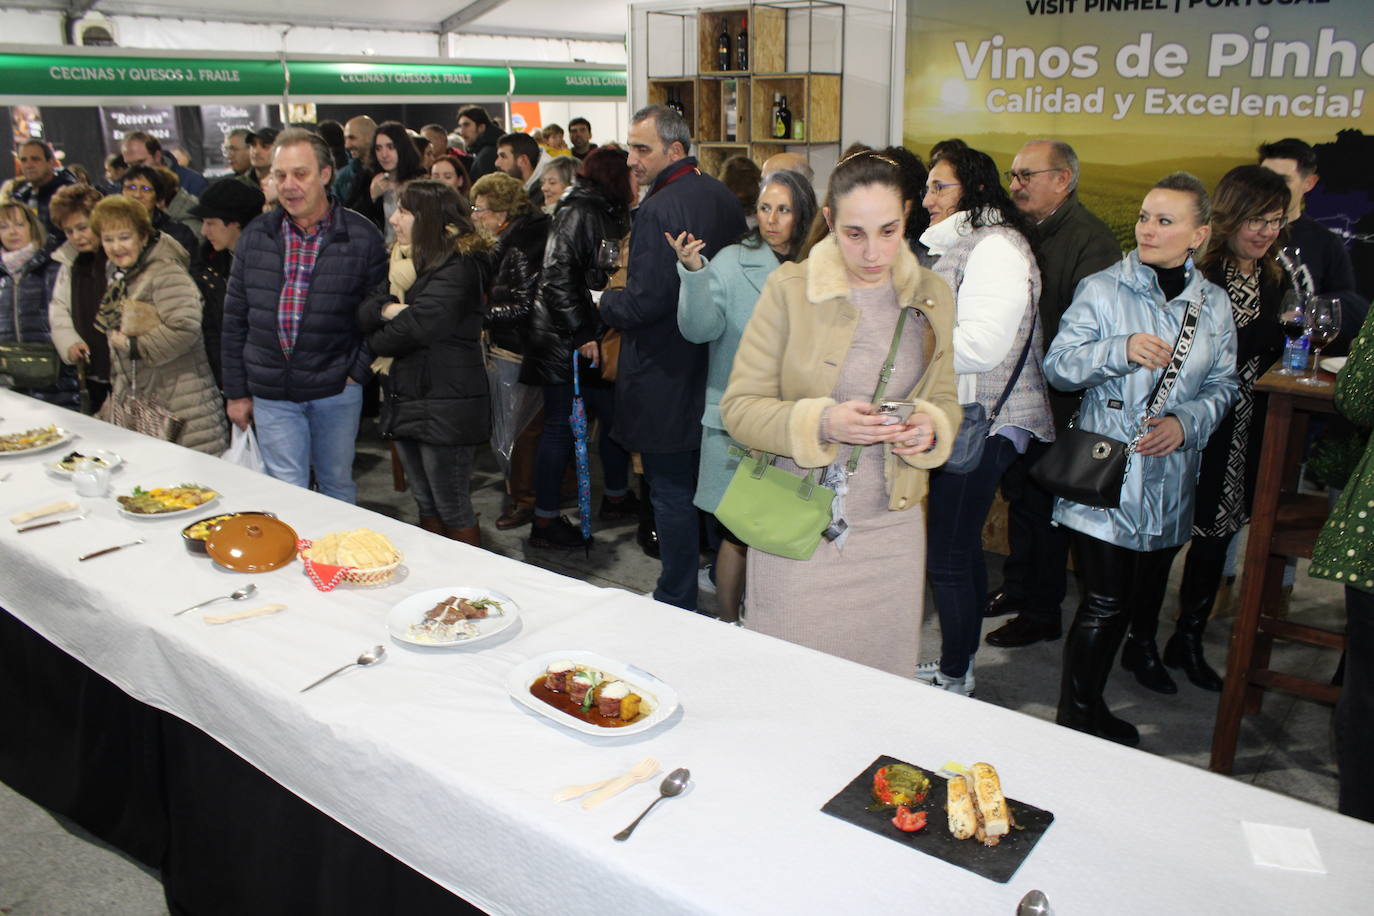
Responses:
[1319,249]
[294,360]
[479,137]
[1072,243]
[43,177]
[661,383]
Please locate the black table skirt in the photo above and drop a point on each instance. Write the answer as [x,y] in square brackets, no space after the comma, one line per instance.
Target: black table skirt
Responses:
[226,837]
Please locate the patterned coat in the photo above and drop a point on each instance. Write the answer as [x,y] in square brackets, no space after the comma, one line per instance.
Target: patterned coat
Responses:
[1344,550]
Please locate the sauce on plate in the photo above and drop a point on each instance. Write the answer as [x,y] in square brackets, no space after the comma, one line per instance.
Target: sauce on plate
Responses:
[564,703]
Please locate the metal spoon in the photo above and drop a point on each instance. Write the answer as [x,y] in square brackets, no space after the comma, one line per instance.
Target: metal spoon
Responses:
[1035,903]
[237,595]
[370,657]
[673,785]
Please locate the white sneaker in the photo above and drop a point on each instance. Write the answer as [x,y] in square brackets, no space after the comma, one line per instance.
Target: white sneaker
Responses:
[704,583]
[929,673]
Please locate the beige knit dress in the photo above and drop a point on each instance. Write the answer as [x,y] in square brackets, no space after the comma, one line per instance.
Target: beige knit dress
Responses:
[862,601]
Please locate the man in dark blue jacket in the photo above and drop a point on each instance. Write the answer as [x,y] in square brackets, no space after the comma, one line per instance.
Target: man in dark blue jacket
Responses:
[660,391]
[294,359]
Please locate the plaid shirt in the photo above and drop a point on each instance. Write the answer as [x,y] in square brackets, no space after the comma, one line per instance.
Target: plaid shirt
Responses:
[302,248]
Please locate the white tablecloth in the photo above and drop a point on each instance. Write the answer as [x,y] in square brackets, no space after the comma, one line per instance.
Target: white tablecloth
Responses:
[427,755]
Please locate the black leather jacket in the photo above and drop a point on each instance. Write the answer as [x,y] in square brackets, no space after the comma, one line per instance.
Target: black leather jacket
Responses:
[564,315]
[518,255]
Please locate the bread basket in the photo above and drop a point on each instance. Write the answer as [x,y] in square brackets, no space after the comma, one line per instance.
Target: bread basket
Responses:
[326,577]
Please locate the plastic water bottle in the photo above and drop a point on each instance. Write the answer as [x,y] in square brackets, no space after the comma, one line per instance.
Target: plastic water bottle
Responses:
[1297,354]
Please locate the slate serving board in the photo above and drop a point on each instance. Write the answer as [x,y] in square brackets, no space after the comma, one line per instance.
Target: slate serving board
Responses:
[997,863]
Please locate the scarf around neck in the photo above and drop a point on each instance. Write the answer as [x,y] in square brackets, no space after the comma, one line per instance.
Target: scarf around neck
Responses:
[111,313]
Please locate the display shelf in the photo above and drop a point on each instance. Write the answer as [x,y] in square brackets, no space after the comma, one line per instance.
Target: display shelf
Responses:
[813,94]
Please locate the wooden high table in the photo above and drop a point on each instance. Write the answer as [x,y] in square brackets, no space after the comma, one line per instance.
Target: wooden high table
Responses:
[1283,524]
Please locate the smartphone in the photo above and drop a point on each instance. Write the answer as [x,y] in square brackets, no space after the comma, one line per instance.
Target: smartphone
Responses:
[894,412]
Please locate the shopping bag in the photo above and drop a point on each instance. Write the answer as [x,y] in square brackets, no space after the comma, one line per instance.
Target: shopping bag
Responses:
[243,450]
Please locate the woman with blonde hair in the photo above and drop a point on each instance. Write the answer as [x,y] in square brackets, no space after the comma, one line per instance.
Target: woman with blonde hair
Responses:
[80,287]
[27,276]
[501,208]
[151,314]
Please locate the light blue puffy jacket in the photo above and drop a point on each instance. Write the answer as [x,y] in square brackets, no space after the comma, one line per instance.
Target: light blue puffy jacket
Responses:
[1089,353]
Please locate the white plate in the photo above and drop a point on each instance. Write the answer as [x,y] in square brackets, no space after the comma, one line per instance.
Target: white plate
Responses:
[1333,364]
[111,460]
[642,682]
[411,610]
[63,436]
[175,513]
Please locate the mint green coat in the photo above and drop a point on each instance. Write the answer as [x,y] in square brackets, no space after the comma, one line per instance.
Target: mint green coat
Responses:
[713,306]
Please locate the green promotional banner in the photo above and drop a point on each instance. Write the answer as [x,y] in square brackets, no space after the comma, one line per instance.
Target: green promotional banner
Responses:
[552,82]
[89,75]
[310,78]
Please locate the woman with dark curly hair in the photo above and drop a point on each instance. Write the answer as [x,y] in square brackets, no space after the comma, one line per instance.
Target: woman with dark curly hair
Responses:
[981,245]
[395,160]
[1248,227]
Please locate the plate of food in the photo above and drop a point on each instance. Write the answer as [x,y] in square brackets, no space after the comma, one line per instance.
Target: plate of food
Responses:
[64,466]
[38,439]
[591,694]
[456,615]
[165,502]
[958,814]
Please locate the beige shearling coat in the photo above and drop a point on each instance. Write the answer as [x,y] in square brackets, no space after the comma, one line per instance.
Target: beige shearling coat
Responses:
[163,310]
[789,360]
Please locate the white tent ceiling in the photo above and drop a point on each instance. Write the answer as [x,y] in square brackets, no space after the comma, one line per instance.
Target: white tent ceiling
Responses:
[603,20]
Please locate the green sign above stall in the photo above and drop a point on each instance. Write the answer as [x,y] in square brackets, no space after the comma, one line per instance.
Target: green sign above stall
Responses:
[83,75]
[311,78]
[549,82]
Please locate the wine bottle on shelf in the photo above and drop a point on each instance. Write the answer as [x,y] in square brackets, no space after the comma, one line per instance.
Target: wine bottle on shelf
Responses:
[730,93]
[723,54]
[782,119]
[742,45]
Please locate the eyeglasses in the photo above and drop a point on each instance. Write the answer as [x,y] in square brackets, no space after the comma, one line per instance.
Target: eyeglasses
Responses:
[477,209]
[1025,175]
[938,187]
[140,187]
[1258,223]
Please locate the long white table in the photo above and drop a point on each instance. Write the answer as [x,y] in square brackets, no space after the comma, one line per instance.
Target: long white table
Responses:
[427,756]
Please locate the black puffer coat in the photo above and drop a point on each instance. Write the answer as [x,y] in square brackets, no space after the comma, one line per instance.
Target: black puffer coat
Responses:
[564,315]
[436,390]
[518,255]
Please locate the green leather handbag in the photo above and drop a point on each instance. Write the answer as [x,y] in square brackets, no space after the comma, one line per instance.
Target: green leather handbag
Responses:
[774,511]
[781,513]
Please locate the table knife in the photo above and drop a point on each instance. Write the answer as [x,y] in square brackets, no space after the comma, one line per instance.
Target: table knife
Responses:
[59,521]
[101,553]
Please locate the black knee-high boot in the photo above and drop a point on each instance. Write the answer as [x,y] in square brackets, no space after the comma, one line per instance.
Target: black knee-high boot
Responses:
[1196,594]
[1140,654]
[1089,650]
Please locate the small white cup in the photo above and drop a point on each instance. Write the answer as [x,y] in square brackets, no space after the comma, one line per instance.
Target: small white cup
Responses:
[91,479]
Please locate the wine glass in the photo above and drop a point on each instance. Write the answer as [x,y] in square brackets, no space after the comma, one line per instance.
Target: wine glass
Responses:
[1293,318]
[1323,324]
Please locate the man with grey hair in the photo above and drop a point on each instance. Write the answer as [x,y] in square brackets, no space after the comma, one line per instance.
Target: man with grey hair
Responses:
[294,360]
[660,389]
[1073,243]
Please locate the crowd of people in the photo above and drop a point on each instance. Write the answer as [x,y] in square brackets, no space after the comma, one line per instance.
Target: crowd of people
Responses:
[907,341]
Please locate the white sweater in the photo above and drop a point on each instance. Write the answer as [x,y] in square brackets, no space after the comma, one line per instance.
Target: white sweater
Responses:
[989,303]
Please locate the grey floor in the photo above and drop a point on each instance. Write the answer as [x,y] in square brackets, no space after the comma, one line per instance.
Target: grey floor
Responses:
[50,867]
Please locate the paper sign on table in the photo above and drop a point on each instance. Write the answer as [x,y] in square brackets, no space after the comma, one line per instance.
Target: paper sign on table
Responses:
[1283,847]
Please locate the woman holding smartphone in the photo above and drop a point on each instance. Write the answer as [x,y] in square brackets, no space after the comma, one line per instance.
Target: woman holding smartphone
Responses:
[802,388]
